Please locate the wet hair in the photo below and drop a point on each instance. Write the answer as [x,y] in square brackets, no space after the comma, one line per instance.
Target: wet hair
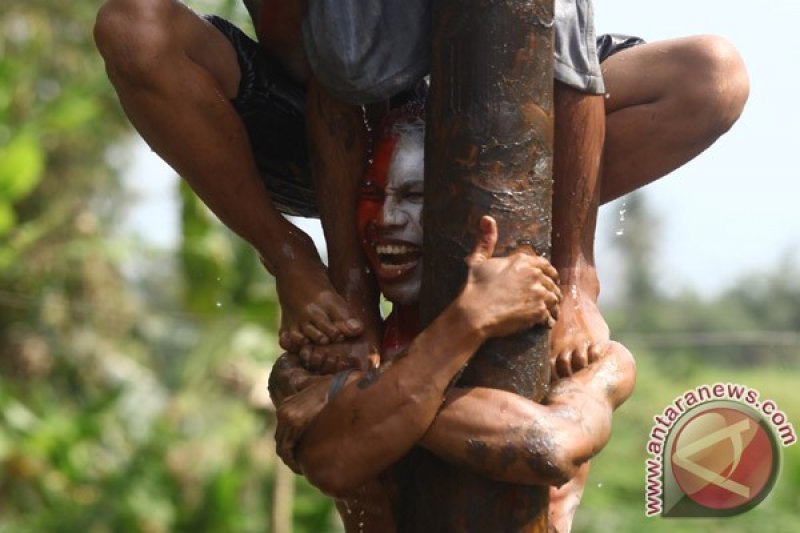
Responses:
[404,123]
[407,113]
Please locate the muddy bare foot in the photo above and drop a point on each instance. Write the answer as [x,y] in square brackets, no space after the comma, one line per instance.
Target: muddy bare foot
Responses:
[580,334]
[351,354]
[312,311]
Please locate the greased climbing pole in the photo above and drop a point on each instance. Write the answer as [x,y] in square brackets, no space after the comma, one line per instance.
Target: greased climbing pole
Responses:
[488,151]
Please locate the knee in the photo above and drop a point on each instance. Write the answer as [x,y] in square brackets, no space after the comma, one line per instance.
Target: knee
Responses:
[132,34]
[717,82]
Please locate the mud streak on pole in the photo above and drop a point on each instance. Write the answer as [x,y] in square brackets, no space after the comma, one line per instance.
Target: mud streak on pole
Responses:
[488,151]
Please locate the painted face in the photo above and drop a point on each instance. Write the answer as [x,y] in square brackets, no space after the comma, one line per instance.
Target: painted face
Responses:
[390,212]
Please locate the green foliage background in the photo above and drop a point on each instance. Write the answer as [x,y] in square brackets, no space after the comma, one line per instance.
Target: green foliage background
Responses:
[132,379]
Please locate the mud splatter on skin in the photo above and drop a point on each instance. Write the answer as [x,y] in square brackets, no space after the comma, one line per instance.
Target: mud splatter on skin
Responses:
[508,456]
[563,388]
[539,446]
[478,451]
[567,412]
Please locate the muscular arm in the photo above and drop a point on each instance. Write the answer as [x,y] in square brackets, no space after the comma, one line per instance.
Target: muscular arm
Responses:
[378,416]
[498,434]
[506,437]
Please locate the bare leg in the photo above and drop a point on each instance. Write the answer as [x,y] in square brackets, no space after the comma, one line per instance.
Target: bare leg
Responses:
[338,150]
[174,74]
[654,124]
[667,102]
[612,377]
[338,143]
[580,331]
[564,500]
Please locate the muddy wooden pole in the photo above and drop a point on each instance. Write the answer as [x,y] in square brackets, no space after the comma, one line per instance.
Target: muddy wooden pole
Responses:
[488,151]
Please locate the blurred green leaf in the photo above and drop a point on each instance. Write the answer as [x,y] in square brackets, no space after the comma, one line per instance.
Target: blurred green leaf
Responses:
[73,110]
[21,167]
[7,219]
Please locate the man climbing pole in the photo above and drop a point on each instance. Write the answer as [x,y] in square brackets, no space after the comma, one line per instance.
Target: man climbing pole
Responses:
[230,115]
[357,436]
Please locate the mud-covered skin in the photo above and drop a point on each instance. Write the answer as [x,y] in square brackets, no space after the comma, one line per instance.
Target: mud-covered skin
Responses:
[531,446]
[527,448]
[521,442]
[371,423]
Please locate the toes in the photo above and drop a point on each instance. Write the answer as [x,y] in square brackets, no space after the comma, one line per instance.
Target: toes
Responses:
[314,334]
[285,341]
[564,364]
[339,313]
[322,322]
[580,358]
[353,327]
[315,360]
[341,327]
[330,364]
[297,339]
[305,356]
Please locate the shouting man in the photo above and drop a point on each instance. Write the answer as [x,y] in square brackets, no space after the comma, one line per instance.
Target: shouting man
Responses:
[354,434]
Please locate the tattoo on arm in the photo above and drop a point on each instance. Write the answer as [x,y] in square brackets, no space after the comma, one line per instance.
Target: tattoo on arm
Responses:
[371,377]
[374,374]
[338,382]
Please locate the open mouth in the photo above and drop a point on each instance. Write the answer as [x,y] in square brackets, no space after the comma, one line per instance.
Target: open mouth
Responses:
[397,256]
[396,260]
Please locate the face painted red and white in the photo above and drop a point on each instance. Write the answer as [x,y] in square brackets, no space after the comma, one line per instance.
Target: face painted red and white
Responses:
[390,210]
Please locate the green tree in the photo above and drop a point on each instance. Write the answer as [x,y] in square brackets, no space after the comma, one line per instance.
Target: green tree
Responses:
[128,402]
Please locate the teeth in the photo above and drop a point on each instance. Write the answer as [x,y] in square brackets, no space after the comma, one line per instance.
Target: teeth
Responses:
[394,249]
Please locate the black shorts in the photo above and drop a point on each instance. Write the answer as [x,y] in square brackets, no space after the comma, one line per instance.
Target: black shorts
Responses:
[272,107]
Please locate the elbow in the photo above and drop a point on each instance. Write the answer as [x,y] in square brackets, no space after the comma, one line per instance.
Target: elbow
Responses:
[332,479]
[563,470]
[556,469]
[330,472]
[552,462]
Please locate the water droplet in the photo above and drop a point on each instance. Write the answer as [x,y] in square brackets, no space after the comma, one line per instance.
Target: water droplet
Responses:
[620,230]
[219,304]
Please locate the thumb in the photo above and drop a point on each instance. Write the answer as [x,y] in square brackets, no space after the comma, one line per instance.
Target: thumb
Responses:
[487,240]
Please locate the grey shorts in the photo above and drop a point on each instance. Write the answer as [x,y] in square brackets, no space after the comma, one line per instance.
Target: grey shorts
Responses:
[366,51]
